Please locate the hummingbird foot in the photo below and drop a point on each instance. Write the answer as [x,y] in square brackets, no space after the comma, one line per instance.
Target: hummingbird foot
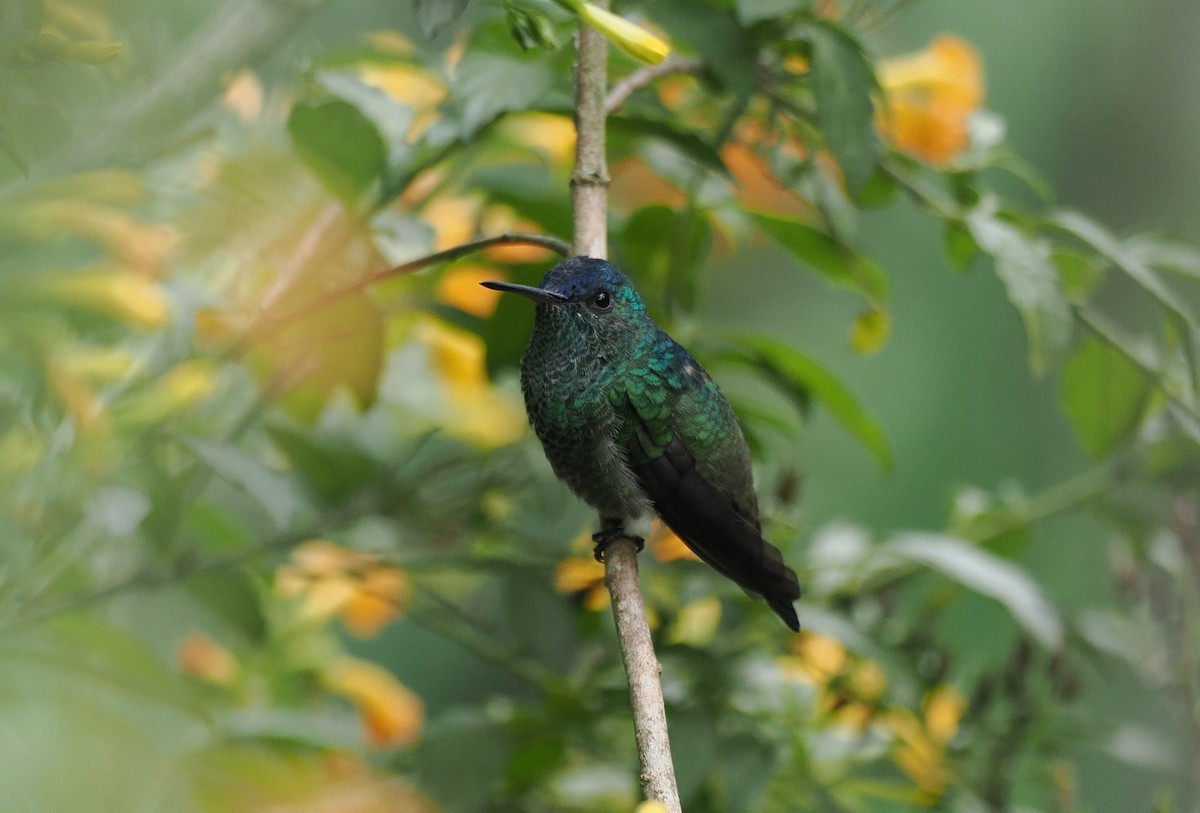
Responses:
[607,536]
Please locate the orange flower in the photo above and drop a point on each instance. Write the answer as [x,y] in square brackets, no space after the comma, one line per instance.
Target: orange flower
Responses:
[667,546]
[758,188]
[392,715]
[331,580]
[203,658]
[929,96]
[582,575]
[460,288]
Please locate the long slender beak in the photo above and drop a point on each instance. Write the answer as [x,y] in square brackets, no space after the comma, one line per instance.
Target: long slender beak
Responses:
[539,295]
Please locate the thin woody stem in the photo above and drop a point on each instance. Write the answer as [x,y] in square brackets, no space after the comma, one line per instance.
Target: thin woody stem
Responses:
[270,325]
[644,76]
[589,203]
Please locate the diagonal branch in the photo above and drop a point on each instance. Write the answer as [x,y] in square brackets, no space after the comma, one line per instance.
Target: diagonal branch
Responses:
[270,325]
[644,76]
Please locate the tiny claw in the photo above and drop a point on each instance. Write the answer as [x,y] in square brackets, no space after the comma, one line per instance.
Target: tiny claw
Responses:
[606,537]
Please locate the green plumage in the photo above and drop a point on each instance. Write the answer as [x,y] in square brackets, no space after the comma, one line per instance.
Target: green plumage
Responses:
[634,425]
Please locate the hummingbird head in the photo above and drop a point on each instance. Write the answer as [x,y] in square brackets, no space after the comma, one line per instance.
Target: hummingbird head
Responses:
[585,296]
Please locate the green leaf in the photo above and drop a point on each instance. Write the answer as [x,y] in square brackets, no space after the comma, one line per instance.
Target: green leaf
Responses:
[961,248]
[870,331]
[461,757]
[332,471]
[801,378]
[750,12]
[730,51]
[836,262]
[686,141]
[1080,274]
[645,245]
[340,145]
[489,85]
[746,765]
[1104,394]
[530,28]
[1178,258]
[694,749]
[434,15]
[842,81]
[1031,283]
[392,119]
[1131,264]
[273,491]
[985,574]
[9,149]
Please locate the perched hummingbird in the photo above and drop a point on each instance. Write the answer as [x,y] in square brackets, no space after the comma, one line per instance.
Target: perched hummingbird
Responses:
[634,425]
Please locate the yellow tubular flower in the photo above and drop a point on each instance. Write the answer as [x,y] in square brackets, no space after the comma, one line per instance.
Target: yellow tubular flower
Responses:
[474,410]
[632,39]
[128,297]
[929,97]
[392,715]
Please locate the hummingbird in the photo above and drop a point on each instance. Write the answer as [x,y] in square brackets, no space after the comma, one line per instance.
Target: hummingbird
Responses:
[632,423]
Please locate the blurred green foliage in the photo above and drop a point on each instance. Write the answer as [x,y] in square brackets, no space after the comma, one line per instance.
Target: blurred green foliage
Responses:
[275,536]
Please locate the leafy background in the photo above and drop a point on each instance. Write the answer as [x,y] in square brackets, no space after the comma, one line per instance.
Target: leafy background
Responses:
[277,539]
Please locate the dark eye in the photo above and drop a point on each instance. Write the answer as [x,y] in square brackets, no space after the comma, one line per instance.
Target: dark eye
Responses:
[602,300]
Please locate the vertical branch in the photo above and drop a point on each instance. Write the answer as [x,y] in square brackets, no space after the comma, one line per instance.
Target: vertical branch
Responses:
[589,181]
[589,203]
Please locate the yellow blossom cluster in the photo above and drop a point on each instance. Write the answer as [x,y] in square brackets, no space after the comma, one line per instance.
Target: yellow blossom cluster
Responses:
[928,97]
[328,580]
[322,581]
[851,694]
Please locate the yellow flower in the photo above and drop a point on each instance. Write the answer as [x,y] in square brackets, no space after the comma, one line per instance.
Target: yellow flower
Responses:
[822,658]
[331,580]
[392,715]
[867,681]
[920,745]
[244,94]
[178,389]
[460,288]
[475,410]
[101,364]
[551,134]
[928,98]
[944,707]
[203,658]
[632,39]
[130,298]
[419,89]
[584,576]
[129,242]
[453,219]
[79,399]
[668,547]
